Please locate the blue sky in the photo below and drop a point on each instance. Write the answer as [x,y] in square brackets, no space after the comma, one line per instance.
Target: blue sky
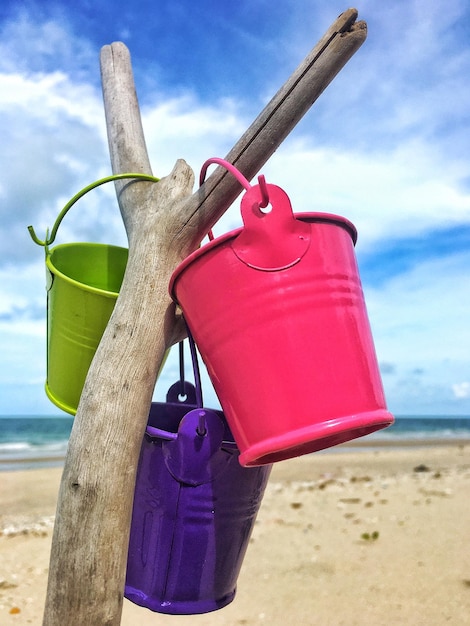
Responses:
[386,146]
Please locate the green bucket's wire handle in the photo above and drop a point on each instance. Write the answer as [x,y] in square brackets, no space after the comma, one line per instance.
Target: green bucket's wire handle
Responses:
[50,238]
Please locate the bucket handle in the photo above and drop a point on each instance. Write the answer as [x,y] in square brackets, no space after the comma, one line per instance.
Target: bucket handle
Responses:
[257,245]
[201,426]
[51,237]
[262,204]
[264,201]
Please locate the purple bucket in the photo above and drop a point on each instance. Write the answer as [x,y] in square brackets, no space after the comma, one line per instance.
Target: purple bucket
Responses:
[194,510]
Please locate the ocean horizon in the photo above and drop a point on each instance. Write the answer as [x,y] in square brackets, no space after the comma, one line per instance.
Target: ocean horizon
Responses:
[34,441]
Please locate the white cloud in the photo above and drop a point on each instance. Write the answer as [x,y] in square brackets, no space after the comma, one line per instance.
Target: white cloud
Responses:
[382,193]
[461,390]
[386,146]
[421,317]
[186,128]
[39,37]
[53,132]
[420,323]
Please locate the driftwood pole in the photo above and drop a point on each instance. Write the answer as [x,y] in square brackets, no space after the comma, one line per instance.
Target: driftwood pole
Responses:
[164,223]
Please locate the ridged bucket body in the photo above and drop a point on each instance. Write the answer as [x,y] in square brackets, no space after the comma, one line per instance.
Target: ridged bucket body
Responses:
[194,511]
[289,350]
[83,282]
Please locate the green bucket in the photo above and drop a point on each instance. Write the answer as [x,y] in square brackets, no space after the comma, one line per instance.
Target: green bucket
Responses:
[83,283]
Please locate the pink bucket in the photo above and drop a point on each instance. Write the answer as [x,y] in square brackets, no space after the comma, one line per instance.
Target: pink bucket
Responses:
[277,311]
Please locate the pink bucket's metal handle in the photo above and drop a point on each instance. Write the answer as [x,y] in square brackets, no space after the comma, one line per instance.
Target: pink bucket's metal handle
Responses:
[263,187]
[228,166]
[272,238]
[264,201]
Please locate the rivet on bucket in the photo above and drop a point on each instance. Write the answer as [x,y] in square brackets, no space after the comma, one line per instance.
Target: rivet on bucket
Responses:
[83,282]
[283,330]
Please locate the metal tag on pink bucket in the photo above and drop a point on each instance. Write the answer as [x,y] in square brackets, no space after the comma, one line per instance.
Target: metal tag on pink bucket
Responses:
[278,314]
[258,243]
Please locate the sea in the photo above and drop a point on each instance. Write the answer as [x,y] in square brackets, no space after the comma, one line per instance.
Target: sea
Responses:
[28,442]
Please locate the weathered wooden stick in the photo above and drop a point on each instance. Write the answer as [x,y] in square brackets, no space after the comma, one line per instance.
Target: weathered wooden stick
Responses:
[276,121]
[163,223]
[89,547]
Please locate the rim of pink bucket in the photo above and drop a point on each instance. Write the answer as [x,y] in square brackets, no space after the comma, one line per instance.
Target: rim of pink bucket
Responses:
[305,217]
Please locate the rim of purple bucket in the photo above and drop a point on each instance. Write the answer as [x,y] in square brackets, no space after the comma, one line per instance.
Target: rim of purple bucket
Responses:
[304,217]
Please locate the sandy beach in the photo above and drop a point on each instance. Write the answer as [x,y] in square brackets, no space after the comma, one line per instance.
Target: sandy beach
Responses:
[377,537]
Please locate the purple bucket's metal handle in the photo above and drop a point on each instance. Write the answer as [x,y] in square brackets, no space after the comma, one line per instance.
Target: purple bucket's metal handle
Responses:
[202,427]
[159,433]
[194,455]
[185,393]
[181,392]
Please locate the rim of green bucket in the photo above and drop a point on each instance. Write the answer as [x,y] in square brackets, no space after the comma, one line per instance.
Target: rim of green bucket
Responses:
[77,283]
